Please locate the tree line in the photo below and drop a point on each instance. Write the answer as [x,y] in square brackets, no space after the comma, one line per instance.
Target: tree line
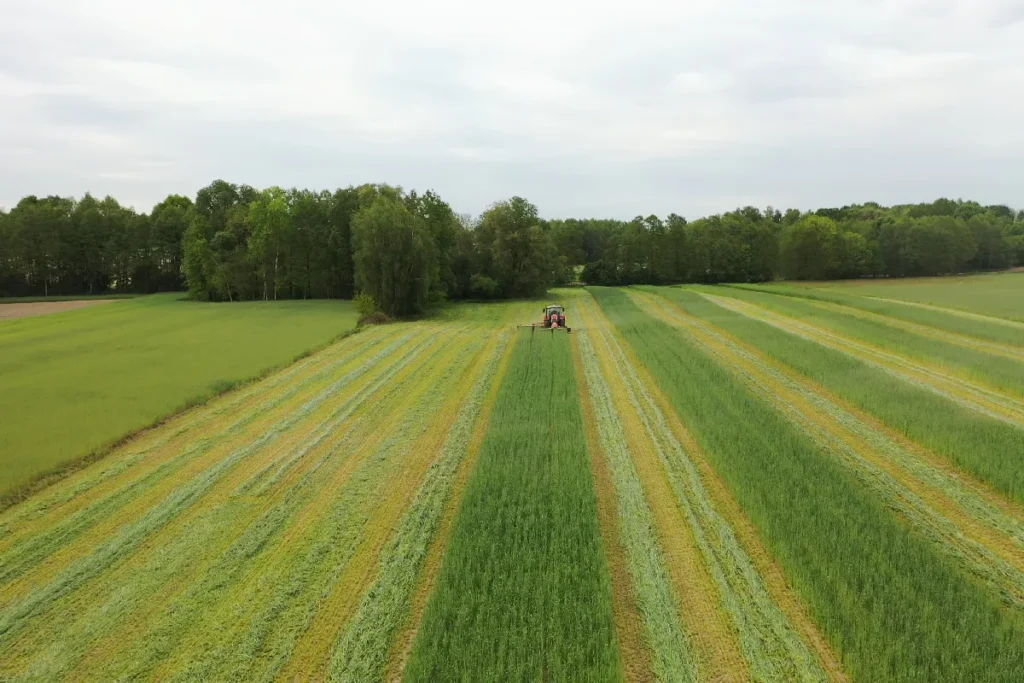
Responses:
[407,250]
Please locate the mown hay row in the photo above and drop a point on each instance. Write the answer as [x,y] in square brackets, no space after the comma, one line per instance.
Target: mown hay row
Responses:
[986,401]
[890,605]
[984,538]
[231,516]
[770,645]
[363,646]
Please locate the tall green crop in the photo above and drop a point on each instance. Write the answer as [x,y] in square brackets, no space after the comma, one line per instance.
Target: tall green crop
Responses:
[891,606]
[524,593]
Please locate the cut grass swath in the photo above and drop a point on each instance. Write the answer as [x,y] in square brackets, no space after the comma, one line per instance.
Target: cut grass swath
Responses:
[363,646]
[770,645]
[184,543]
[983,400]
[984,536]
[891,606]
[999,370]
[984,447]
[524,592]
[1001,333]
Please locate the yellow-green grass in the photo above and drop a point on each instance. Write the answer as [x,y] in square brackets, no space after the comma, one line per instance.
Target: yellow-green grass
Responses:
[1001,369]
[76,382]
[1000,295]
[759,639]
[890,605]
[981,532]
[985,447]
[1000,335]
[524,592]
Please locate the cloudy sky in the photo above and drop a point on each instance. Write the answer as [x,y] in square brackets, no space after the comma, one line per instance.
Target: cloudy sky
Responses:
[587,108]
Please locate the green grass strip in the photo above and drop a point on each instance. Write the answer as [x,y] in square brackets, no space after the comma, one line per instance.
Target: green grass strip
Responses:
[996,371]
[987,448]
[892,607]
[363,646]
[991,329]
[672,659]
[524,593]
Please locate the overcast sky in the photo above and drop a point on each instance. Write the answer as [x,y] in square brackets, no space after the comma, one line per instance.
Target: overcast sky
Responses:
[586,108]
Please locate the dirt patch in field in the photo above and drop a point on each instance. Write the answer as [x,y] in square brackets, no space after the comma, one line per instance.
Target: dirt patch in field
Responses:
[12,311]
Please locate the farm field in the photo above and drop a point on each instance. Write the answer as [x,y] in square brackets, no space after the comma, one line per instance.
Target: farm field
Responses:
[996,294]
[763,483]
[73,382]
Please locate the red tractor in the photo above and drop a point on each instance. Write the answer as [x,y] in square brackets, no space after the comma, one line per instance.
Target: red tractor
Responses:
[554,319]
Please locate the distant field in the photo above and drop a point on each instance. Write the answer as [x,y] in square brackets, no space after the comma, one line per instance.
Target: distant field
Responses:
[76,381]
[996,294]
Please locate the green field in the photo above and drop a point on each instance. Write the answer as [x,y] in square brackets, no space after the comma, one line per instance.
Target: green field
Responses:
[996,294]
[74,382]
[699,483]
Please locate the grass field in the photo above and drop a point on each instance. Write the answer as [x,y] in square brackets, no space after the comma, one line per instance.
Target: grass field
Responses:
[76,381]
[770,483]
[996,294]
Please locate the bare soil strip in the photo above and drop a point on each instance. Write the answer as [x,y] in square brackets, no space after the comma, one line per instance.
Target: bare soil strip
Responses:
[984,400]
[14,311]
[963,518]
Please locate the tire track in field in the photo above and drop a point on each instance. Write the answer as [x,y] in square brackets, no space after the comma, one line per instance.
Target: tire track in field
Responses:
[258,621]
[983,533]
[72,537]
[175,499]
[973,343]
[401,648]
[627,579]
[989,402]
[769,626]
[362,648]
[240,534]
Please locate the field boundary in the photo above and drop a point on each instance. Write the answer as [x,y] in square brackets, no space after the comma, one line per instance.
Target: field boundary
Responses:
[45,479]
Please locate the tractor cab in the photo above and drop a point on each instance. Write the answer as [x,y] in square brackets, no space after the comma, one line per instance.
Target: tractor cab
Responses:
[554,316]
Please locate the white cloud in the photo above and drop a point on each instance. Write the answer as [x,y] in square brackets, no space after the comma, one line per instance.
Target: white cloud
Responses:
[584,107]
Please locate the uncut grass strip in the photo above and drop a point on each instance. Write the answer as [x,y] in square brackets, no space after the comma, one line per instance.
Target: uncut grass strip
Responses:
[523,591]
[978,317]
[983,550]
[70,538]
[617,356]
[629,625]
[979,328]
[987,402]
[965,335]
[312,655]
[997,374]
[361,653]
[977,499]
[131,535]
[770,643]
[985,449]
[401,648]
[117,468]
[218,567]
[295,578]
[890,606]
[671,652]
